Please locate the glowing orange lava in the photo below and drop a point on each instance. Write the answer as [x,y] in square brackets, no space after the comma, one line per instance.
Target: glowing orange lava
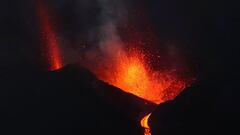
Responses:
[132,73]
[50,39]
[144,124]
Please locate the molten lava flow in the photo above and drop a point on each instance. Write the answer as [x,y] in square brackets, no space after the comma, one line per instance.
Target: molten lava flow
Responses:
[52,46]
[144,124]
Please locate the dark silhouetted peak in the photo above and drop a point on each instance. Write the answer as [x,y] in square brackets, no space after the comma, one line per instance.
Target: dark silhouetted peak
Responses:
[204,108]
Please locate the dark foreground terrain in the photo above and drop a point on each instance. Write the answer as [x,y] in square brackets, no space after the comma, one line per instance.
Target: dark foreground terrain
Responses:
[206,108]
[67,101]
[73,101]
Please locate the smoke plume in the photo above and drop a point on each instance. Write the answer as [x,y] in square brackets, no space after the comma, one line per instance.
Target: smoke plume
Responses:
[112,12]
[106,44]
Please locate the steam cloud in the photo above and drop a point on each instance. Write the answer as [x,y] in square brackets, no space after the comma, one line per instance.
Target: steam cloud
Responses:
[104,39]
[95,31]
[112,12]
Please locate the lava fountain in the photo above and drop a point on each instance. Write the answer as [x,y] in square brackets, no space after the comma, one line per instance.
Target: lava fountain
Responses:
[132,73]
[49,38]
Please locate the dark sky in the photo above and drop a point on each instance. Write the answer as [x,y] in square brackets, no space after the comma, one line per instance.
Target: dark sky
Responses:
[207,30]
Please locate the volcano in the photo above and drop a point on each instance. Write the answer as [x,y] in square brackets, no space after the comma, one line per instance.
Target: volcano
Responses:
[121,97]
